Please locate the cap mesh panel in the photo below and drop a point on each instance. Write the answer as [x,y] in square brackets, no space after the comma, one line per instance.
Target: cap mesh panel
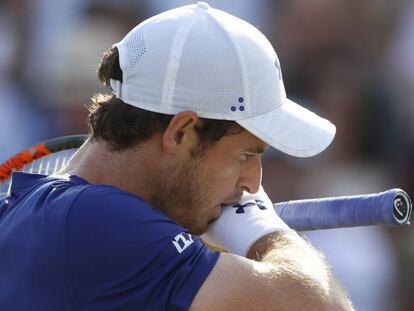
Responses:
[136,48]
[209,76]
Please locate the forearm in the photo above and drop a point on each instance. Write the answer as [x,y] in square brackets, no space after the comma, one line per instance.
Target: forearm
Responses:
[302,274]
[286,273]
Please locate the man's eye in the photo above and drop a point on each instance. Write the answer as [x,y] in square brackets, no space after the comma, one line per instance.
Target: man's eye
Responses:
[247,156]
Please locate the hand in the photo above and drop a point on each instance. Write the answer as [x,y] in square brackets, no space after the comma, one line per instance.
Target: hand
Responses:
[242,224]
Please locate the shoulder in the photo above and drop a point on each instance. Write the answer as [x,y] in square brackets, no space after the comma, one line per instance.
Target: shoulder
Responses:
[105,197]
[116,238]
[113,209]
[110,221]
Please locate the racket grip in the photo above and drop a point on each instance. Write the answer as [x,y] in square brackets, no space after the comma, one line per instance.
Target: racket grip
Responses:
[392,207]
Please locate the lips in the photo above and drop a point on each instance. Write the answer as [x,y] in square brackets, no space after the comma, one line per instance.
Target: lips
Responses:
[232,199]
[231,202]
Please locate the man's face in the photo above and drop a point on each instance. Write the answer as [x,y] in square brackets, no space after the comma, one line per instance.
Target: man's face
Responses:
[193,191]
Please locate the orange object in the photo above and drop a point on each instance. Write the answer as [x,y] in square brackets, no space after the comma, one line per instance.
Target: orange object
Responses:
[21,159]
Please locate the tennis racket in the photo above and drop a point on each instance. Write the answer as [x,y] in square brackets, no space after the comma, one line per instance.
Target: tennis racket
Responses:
[392,207]
[45,158]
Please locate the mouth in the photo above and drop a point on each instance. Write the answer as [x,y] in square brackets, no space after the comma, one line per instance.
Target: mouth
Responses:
[234,199]
[229,203]
[219,207]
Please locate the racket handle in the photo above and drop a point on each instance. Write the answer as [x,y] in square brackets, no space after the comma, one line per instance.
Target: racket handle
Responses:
[392,207]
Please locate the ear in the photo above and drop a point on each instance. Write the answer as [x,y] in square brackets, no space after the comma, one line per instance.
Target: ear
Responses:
[180,132]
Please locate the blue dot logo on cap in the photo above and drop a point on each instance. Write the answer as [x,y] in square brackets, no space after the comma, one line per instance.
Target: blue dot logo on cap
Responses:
[233,108]
[241,99]
[241,108]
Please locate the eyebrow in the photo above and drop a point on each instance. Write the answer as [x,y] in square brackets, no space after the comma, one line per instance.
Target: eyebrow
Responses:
[257,149]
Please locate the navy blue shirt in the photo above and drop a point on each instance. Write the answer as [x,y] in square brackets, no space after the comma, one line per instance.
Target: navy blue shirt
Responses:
[66,244]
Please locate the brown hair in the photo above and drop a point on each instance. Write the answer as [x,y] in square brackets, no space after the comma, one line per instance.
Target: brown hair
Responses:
[123,126]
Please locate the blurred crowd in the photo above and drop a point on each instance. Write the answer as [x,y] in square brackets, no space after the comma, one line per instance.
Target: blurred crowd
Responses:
[350,61]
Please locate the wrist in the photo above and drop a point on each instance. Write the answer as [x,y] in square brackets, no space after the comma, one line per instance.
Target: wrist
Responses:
[241,225]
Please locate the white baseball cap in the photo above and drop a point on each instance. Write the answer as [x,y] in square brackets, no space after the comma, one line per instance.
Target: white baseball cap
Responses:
[205,60]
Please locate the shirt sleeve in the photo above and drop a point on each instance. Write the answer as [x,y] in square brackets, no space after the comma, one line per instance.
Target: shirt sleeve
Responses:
[122,254]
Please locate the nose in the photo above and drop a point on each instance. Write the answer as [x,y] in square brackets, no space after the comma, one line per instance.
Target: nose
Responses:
[251,175]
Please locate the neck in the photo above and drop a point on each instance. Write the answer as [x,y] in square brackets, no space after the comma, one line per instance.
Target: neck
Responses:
[129,170]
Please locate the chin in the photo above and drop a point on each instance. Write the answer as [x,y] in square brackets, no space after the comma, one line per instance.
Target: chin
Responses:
[200,228]
[197,229]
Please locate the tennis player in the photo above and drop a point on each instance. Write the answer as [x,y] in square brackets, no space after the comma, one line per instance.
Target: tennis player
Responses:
[174,154]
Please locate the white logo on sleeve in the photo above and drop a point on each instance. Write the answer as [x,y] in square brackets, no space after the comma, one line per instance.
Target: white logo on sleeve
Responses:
[182,241]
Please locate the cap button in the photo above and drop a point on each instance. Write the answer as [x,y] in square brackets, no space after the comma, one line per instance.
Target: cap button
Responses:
[203,5]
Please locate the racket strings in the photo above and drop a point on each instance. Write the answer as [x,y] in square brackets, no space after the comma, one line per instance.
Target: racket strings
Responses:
[49,164]
[20,160]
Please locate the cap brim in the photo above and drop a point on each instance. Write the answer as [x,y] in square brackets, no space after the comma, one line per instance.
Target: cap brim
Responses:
[292,129]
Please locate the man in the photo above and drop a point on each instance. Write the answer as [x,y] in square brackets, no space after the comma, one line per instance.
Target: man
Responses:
[175,153]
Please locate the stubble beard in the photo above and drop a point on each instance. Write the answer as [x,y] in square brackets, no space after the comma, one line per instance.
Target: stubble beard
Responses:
[181,195]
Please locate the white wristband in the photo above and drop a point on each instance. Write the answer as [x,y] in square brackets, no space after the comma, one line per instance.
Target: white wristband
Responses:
[241,225]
